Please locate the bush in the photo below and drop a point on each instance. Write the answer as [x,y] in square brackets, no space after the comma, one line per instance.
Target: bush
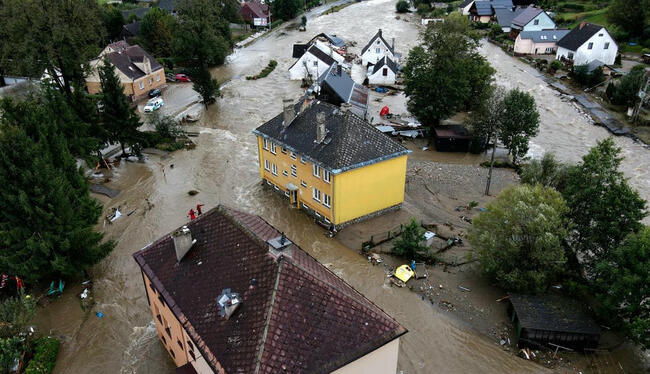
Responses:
[582,75]
[402,6]
[409,243]
[495,31]
[45,352]
[423,9]
[556,65]
[625,92]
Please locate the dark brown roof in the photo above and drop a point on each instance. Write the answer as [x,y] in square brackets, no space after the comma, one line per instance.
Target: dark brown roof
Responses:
[296,315]
[351,142]
[258,9]
[126,59]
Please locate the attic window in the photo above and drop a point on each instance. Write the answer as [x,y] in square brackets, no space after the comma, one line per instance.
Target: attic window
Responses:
[130,68]
[600,34]
[554,37]
[543,37]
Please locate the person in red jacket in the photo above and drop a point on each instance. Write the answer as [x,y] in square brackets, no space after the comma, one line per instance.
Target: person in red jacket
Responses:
[198,208]
[192,214]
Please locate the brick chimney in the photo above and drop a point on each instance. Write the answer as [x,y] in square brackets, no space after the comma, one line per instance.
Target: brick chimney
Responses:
[307,102]
[321,131]
[582,24]
[289,112]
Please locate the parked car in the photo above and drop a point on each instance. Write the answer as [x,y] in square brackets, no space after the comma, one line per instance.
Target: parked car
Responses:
[182,78]
[153,104]
[155,93]
[170,77]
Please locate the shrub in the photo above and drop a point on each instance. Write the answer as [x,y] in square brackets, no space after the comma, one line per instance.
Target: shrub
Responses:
[45,352]
[495,31]
[423,9]
[556,65]
[409,243]
[265,72]
[402,6]
[582,75]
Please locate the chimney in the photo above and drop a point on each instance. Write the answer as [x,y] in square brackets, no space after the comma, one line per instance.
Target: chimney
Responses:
[183,242]
[582,24]
[289,112]
[228,302]
[321,131]
[393,44]
[307,102]
[379,32]
[339,69]
[278,244]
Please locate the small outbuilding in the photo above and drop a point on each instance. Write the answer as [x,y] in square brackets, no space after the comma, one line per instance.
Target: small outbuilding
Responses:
[383,72]
[452,138]
[552,320]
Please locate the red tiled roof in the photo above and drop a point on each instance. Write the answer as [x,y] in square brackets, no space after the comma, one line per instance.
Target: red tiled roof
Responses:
[297,316]
[258,9]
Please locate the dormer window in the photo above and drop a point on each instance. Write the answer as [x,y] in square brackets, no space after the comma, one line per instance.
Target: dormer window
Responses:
[536,22]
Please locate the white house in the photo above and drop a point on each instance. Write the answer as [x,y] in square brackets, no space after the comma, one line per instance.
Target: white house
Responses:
[539,42]
[465,6]
[377,48]
[587,42]
[311,64]
[532,19]
[383,72]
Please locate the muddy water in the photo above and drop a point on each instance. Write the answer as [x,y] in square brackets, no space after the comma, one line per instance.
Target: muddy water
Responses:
[223,168]
[563,129]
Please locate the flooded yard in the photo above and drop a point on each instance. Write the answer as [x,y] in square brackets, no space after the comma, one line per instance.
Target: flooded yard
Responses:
[223,169]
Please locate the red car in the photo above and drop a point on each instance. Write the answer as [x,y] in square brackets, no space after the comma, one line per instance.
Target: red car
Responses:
[182,78]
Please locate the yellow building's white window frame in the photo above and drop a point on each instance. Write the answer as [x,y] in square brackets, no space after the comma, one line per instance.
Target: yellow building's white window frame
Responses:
[326,176]
[303,183]
[302,160]
[267,165]
[157,77]
[315,194]
[265,144]
[316,170]
[292,155]
[327,201]
[141,85]
[294,171]
[284,150]
[274,169]
[273,148]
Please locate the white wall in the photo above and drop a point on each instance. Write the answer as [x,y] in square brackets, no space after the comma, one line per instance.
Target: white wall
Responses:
[380,361]
[328,51]
[372,55]
[583,55]
[379,78]
[465,10]
[305,65]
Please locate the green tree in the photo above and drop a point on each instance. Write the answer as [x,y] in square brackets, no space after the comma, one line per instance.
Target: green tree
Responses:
[520,122]
[518,239]
[630,15]
[286,9]
[487,122]
[402,6]
[66,34]
[624,286]
[495,30]
[202,33]
[627,90]
[409,244]
[15,314]
[156,32]
[10,350]
[603,207]
[119,119]
[112,21]
[205,85]
[441,73]
[548,172]
[46,224]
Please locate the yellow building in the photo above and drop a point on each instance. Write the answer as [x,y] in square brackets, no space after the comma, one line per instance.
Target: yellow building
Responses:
[331,163]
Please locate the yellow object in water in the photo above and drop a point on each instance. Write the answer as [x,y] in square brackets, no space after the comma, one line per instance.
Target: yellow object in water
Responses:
[404,273]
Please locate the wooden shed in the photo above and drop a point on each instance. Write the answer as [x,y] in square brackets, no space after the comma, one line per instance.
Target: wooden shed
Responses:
[452,138]
[551,319]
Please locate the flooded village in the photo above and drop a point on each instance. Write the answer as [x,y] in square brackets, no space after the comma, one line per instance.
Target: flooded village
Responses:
[299,239]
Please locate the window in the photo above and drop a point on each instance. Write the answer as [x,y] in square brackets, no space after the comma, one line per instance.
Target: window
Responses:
[284,150]
[274,169]
[549,50]
[179,343]
[190,346]
[315,194]
[284,172]
[606,45]
[326,176]
[163,339]
[327,221]
[168,331]
[601,34]
[173,354]
[385,72]
[316,171]
[273,148]
[267,165]
[157,77]
[150,81]
[326,200]
[378,50]
[192,354]
[302,160]
[266,144]
[536,22]
[141,85]
[286,193]
[590,46]
[152,289]
[543,37]
[294,171]
[159,318]
[292,155]
[303,183]
[570,56]
[315,63]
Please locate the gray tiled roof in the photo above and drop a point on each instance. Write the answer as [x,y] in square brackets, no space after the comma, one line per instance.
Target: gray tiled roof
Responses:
[526,16]
[124,61]
[505,16]
[350,142]
[385,61]
[544,35]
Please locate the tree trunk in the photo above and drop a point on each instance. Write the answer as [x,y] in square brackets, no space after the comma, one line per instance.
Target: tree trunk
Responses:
[489,178]
[123,151]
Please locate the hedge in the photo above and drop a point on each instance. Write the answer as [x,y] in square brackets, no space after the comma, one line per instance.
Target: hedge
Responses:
[45,352]
[265,72]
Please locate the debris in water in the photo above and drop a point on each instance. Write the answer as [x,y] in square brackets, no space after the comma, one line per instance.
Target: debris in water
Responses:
[116,215]
[84,294]
[192,192]
[464,288]
[99,314]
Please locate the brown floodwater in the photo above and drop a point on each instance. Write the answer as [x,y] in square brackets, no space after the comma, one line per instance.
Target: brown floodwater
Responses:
[223,168]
